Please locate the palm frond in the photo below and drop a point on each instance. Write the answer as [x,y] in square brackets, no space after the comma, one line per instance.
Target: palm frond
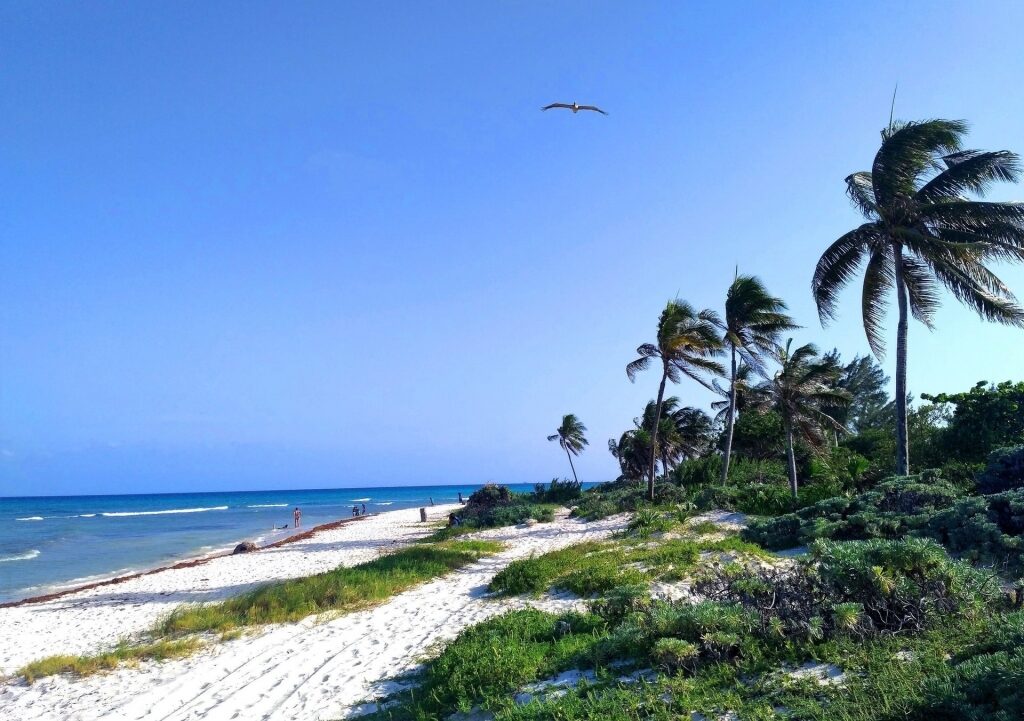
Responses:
[908,151]
[922,291]
[838,265]
[970,171]
[862,194]
[879,277]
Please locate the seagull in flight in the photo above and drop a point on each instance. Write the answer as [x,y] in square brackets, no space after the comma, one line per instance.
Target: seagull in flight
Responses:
[575,107]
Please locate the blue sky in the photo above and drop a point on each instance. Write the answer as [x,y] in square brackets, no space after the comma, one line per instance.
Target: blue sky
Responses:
[263,245]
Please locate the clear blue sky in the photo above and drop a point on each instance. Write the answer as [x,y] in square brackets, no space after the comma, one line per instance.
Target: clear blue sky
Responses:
[260,245]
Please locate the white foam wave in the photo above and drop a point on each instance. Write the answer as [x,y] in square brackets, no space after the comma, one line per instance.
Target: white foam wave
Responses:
[87,515]
[30,518]
[119,514]
[27,556]
[268,505]
[360,500]
[385,503]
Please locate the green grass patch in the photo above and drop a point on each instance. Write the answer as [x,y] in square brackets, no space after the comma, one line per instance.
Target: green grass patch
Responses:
[123,654]
[343,589]
[595,568]
[704,528]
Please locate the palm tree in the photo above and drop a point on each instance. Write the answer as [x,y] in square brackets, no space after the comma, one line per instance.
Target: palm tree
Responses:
[632,451]
[693,430]
[570,437]
[924,233]
[802,391]
[686,345]
[668,438]
[743,380]
[754,319]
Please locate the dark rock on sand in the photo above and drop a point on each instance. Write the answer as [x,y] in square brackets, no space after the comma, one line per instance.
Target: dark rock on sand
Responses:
[246,547]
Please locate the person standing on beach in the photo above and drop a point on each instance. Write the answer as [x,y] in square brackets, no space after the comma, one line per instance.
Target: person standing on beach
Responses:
[364,509]
[297,517]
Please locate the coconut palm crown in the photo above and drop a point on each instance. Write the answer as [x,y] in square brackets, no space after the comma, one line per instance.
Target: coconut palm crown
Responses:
[802,392]
[687,345]
[570,436]
[754,320]
[923,233]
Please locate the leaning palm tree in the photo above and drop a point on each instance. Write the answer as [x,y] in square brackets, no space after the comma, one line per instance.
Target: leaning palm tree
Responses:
[687,344]
[924,233]
[801,392]
[570,436]
[754,320]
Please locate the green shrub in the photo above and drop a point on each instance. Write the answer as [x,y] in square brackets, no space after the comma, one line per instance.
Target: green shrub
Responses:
[891,510]
[558,492]
[1004,472]
[989,687]
[755,499]
[648,520]
[625,496]
[674,654]
[859,588]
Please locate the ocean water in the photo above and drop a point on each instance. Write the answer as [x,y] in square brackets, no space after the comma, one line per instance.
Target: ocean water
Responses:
[48,543]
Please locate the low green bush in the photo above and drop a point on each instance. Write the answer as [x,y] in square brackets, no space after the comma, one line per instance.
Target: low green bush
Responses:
[561,493]
[1004,471]
[986,530]
[892,509]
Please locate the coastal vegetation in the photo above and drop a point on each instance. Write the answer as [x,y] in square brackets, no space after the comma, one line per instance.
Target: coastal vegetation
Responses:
[828,583]
[844,588]
[124,654]
[342,590]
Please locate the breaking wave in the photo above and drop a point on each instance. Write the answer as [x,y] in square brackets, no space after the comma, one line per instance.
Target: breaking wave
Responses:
[27,556]
[119,514]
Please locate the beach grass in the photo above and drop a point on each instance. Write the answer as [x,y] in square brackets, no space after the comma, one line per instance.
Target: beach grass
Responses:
[123,654]
[341,590]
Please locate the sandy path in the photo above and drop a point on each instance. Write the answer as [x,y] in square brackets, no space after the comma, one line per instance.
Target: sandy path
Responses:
[309,670]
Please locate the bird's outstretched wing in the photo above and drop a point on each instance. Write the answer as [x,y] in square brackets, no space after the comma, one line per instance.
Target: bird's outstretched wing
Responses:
[594,108]
[557,105]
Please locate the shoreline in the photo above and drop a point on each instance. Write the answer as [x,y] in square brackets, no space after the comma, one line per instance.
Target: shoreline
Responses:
[321,667]
[78,621]
[188,562]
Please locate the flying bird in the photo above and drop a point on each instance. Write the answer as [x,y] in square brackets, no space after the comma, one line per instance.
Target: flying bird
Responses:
[575,107]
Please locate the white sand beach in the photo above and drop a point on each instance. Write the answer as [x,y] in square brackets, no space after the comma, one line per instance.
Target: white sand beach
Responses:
[315,669]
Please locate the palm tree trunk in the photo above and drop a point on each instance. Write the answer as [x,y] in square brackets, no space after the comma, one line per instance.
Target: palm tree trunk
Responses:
[730,420]
[791,460]
[654,436]
[902,441]
[572,466]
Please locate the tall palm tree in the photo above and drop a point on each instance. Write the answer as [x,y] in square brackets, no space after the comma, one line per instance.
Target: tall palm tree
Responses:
[687,344]
[802,391]
[570,436]
[754,320]
[924,233]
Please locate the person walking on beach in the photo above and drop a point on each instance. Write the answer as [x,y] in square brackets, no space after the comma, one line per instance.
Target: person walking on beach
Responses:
[297,517]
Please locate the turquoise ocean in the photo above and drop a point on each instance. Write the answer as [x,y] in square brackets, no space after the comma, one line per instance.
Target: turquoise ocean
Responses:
[52,542]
